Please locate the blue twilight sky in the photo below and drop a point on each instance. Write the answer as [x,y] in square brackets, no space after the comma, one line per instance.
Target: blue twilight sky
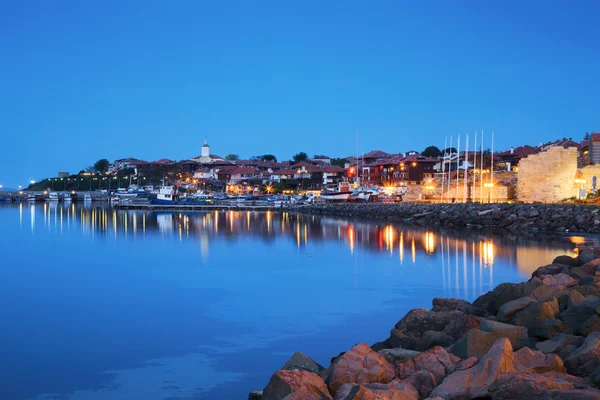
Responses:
[83,80]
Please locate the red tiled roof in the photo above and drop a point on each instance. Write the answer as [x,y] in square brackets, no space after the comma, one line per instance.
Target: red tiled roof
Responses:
[419,158]
[376,154]
[595,136]
[519,151]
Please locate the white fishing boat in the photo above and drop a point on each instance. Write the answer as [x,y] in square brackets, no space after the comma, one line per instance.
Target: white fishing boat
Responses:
[67,198]
[87,197]
[342,194]
[52,196]
[31,197]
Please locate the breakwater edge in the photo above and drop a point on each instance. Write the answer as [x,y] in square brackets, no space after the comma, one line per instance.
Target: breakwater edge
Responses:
[516,216]
[538,339]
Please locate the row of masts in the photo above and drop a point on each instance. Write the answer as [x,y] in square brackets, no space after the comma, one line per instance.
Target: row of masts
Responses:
[447,183]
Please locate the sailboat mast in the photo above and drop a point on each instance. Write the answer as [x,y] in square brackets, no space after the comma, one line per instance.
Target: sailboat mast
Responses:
[481,169]
[357,166]
[450,167]
[466,168]
[444,167]
[457,166]
[474,165]
[492,166]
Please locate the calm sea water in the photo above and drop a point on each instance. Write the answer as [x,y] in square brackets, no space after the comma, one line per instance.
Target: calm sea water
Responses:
[103,304]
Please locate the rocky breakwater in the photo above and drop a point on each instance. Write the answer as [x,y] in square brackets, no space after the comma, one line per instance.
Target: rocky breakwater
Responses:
[535,340]
[532,217]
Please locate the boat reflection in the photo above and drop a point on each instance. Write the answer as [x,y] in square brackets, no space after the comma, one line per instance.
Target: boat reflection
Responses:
[466,258]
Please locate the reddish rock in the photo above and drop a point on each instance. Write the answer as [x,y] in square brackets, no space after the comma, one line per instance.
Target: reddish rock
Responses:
[398,354]
[511,386]
[395,390]
[551,269]
[560,344]
[474,382]
[575,298]
[360,365]
[423,381]
[460,324]
[303,384]
[529,361]
[585,360]
[450,304]
[466,364]
[435,360]
[561,280]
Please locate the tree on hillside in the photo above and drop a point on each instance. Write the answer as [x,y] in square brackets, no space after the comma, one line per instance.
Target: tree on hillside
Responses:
[101,165]
[232,157]
[432,151]
[449,150]
[339,162]
[302,156]
[269,157]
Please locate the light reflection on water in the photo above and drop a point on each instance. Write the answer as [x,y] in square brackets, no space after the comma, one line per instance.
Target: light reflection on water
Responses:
[233,292]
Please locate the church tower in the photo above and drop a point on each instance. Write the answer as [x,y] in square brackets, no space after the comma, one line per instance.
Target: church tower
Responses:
[205,149]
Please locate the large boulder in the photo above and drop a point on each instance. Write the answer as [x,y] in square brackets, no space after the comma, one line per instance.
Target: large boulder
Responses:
[451,304]
[561,280]
[509,309]
[398,354]
[299,385]
[551,269]
[533,316]
[512,386]
[566,260]
[561,344]
[574,394]
[577,316]
[423,381]
[592,324]
[585,360]
[505,292]
[517,335]
[395,390]
[474,343]
[474,382]
[302,362]
[435,360]
[359,365]
[530,361]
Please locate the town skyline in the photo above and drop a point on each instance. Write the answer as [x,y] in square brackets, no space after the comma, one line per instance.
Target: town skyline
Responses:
[117,80]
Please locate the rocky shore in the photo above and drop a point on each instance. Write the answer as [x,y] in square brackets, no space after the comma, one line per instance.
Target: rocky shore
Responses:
[535,340]
[517,217]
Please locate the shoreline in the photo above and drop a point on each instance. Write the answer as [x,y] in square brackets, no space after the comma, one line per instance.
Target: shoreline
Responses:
[505,216]
[536,339]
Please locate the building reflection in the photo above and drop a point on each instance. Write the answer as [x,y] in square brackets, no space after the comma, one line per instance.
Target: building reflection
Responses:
[466,258]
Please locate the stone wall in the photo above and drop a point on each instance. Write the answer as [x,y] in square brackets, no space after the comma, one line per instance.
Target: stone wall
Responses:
[588,173]
[549,176]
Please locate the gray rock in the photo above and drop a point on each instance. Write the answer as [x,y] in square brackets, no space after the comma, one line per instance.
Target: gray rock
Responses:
[302,362]
[508,310]
[534,316]
[566,260]
[585,360]
[516,334]
[398,354]
[474,343]
[561,344]
[255,395]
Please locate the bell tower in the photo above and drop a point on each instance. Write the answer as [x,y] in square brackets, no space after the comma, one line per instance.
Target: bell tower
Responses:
[205,149]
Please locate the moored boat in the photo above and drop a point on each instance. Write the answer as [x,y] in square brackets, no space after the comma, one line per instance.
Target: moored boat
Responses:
[342,194]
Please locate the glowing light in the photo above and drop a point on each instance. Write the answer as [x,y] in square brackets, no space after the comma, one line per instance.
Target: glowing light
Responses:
[351,238]
[488,253]
[429,242]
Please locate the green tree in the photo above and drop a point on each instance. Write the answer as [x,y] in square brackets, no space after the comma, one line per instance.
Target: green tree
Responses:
[449,150]
[339,162]
[232,157]
[302,156]
[269,157]
[587,136]
[432,151]
[101,165]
